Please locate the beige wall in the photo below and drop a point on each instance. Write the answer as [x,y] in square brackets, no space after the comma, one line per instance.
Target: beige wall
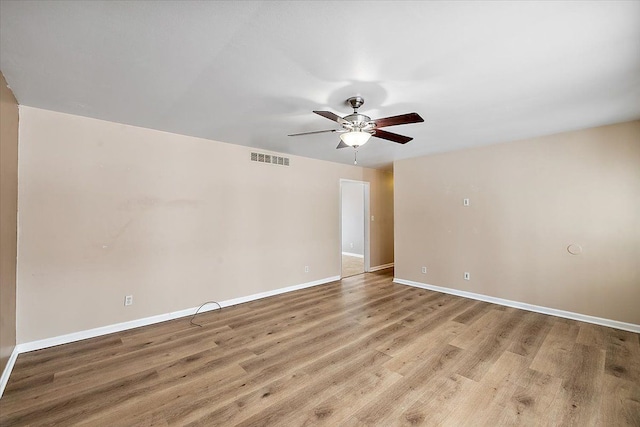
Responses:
[529,201]
[381,229]
[8,219]
[108,210]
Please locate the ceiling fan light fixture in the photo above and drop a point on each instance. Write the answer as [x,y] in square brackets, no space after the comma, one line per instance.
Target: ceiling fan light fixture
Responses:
[355,138]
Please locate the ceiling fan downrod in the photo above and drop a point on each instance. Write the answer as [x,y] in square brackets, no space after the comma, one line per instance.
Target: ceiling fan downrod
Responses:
[355,102]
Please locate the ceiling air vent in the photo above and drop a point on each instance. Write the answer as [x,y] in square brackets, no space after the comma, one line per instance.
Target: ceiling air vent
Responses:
[269,158]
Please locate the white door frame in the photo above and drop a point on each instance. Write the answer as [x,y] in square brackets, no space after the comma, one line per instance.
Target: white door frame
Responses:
[367,224]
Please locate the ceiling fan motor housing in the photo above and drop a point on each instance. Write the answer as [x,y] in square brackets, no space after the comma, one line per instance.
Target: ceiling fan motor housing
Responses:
[359,121]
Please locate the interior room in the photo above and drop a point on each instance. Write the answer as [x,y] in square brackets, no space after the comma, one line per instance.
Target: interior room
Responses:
[338,213]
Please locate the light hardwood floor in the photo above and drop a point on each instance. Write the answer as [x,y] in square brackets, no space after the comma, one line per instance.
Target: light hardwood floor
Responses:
[351,265]
[361,351]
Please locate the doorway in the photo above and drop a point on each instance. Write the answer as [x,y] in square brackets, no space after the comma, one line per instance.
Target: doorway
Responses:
[354,227]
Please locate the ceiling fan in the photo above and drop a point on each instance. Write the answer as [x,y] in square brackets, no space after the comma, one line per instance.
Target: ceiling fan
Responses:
[358,128]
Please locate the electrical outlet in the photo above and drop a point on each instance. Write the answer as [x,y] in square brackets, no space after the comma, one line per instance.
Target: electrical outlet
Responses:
[424,270]
[128,300]
[465,202]
[467,276]
[306,268]
[351,245]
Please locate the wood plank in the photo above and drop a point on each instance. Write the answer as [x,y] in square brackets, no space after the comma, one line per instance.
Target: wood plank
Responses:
[489,345]
[486,399]
[623,355]
[580,396]
[593,335]
[421,347]
[440,402]
[478,309]
[529,336]
[404,392]
[337,402]
[481,326]
[554,355]
[620,404]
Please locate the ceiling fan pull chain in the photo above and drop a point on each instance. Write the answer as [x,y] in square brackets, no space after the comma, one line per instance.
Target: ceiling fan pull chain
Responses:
[355,157]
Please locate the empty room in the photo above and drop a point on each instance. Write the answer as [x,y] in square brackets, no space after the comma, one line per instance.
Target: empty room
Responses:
[287,213]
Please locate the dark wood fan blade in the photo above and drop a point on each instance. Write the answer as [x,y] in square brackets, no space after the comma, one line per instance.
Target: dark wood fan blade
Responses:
[332,116]
[311,133]
[342,145]
[402,119]
[400,139]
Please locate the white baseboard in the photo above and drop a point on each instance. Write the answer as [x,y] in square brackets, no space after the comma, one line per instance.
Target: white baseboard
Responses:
[4,379]
[380,267]
[352,254]
[109,329]
[524,306]
[274,292]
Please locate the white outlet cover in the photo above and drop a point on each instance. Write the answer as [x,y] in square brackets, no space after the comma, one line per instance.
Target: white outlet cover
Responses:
[424,270]
[467,276]
[465,202]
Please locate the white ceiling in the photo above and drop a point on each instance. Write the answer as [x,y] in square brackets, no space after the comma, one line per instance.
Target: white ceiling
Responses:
[250,73]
